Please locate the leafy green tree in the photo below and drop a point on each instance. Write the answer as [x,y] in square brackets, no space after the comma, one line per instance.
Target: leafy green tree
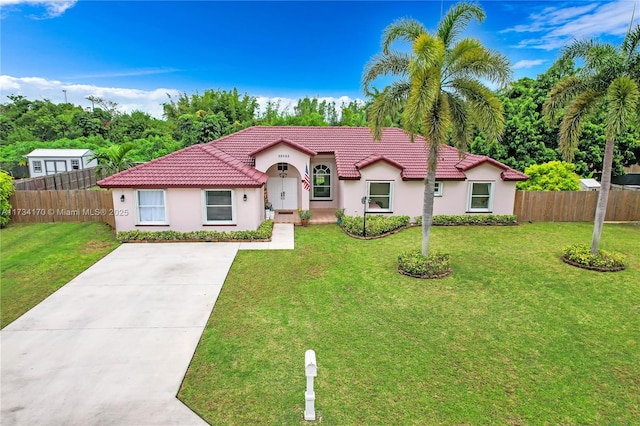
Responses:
[551,176]
[608,78]
[113,159]
[6,189]
[439,85]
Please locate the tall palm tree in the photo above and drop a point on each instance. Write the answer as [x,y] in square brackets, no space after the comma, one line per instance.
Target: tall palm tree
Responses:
[609,78]
[438,88]
[113,159]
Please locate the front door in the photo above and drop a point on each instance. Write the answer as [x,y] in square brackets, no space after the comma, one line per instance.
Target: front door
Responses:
[283,193]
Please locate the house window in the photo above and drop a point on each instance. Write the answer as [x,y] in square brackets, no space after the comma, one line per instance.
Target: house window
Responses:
[37,166]
[379,196]
[321,182]
[437,191]
[480,196]
[283,167]
[151,207]
[75,164]
[218,207]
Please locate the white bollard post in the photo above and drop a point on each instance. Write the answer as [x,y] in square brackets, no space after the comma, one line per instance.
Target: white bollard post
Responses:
[311,370]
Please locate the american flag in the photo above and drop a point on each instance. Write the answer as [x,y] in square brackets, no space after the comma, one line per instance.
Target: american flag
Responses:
[305,181]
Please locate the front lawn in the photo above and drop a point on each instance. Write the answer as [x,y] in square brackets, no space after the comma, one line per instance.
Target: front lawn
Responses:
[514,336]
[36,259]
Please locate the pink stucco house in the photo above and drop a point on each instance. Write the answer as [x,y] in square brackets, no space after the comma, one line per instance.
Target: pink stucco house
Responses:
[224,184]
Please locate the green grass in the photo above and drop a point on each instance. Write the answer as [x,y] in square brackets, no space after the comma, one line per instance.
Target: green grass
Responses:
[37,259]
[514,336]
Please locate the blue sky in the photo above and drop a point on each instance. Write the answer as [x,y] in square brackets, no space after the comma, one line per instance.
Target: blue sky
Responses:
[135,52]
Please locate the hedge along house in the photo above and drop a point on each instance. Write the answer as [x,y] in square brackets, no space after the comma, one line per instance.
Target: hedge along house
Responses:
[225,184]
[43,162]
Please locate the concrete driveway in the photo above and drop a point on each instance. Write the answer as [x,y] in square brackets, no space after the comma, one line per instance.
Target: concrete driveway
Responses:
[112,346]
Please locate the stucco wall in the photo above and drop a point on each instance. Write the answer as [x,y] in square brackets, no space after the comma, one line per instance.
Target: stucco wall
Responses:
[408,195]
[184,210]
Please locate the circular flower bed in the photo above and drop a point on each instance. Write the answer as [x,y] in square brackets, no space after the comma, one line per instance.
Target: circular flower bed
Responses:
[414,264]
[580,255]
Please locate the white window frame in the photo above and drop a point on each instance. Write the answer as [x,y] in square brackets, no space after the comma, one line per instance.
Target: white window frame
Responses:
[470,197]
[37,166]
[75,164]
[205,221]
[437,190]
[313,174]
[379,210]
[164,204]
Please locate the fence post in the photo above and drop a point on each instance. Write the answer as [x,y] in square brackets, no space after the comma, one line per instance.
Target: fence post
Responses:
[311,370]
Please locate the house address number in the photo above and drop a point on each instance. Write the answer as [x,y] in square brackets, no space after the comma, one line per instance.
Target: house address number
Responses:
[283,155]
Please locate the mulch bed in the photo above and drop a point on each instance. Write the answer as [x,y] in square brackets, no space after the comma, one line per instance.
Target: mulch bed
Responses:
[593,268]
[426,277]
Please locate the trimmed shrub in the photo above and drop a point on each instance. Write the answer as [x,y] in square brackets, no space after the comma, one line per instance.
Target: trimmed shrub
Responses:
[463,219]
[413,263]
[6,189]
[262,233]
[580,255]
[376,225]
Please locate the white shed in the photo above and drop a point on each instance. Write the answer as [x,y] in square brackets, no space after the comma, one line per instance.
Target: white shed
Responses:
[44,162]
[589,185]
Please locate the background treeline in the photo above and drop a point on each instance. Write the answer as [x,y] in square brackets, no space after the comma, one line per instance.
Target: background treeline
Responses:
[190,119]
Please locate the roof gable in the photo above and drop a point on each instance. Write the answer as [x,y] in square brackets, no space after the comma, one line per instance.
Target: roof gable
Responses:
[196,166]
[53,153]
[374,158]
[286,142]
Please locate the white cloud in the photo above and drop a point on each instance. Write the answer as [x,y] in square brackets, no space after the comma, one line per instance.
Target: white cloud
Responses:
[554,27]
[528,63]
[149,101]
[53,8]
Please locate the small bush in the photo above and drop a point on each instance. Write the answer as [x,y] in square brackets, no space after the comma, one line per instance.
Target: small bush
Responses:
[6,189]
[463,219]
[413,263]
[580,255]
[376,225]
[262,233]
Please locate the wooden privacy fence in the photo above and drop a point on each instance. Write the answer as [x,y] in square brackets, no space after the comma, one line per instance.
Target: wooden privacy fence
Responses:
[575,206]
[75,179]
[63,206]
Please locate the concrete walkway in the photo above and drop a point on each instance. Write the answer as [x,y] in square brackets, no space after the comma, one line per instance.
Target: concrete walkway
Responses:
[112,346]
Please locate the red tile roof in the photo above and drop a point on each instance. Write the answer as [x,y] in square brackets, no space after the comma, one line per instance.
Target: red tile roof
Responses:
[228,161]
[198,166]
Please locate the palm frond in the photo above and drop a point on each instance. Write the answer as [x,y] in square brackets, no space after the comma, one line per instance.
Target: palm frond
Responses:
[425,86]
[402,29]
[560,96]
[460,119]
[429,51]
[469,58]
[385,104]
[631,41]
[437,123]
[622,106]
[572,123]
[485,104]
[394,63]
[456,19]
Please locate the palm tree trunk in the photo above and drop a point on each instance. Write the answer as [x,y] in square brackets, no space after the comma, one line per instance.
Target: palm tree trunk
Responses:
[603,197]
[427,210]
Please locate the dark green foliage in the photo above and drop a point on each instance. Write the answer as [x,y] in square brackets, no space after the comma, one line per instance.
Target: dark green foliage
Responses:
[551,176]
[262,233]
[412,262]
[453,220]
[581,255]
[376,224]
